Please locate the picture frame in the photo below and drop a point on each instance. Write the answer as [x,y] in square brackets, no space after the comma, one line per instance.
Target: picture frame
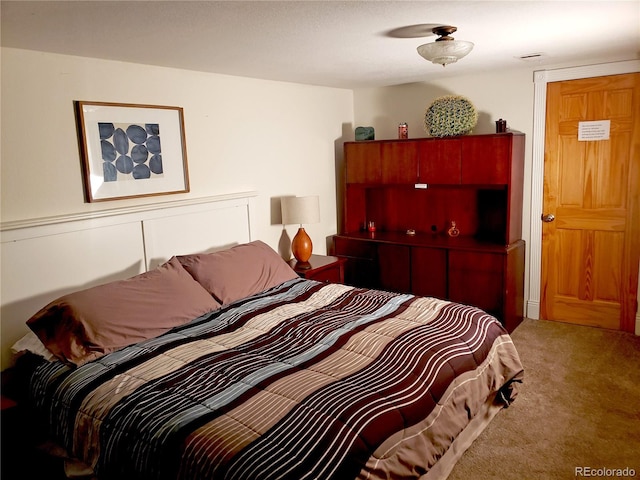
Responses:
[130,150]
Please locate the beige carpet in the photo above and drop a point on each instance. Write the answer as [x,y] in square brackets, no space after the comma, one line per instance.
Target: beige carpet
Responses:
[579,406]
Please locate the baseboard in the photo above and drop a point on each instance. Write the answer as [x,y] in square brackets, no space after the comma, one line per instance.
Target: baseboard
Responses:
[533,311]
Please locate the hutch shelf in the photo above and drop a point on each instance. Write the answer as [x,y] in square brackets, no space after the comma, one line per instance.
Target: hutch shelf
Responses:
[413,190]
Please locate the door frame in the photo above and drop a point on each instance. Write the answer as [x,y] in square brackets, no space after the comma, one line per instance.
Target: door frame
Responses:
[540,79]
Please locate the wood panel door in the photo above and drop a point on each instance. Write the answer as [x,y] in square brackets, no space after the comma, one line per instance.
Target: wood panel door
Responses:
[364,163]
[477,278]
[429,272]
[486,161]
[591,248]
[394,263]
[399,162]
[440,161]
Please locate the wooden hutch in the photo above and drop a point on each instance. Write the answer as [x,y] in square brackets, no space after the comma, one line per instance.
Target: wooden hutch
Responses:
[413,190]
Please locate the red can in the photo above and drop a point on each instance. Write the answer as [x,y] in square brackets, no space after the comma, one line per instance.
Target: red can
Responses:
[403,131]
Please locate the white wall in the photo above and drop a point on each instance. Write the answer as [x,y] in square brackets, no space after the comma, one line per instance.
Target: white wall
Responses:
[505,95]
[242,134]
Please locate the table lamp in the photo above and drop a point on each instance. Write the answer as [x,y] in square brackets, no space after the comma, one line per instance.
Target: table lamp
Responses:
[301,210]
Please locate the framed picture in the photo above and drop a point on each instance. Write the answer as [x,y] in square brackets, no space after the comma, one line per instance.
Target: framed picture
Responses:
[131,150]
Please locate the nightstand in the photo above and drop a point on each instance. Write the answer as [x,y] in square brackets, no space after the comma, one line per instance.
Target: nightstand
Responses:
[322,268]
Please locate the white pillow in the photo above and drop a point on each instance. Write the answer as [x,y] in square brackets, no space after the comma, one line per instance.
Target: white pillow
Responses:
[31,343]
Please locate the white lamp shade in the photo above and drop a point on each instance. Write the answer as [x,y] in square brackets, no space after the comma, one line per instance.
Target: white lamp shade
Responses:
[445,52]
[299,210]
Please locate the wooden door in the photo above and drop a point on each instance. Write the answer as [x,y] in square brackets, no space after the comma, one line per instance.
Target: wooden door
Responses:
[486,160]
[394,263]
[361,269]
[591,249]
[477,278]
[363,162]
[399,162]
[429,272]
[440,161]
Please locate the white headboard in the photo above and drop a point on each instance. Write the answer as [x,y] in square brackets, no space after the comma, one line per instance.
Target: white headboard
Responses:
[45,258]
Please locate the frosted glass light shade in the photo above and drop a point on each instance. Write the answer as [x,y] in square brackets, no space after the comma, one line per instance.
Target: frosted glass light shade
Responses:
[299,210]
[444,52]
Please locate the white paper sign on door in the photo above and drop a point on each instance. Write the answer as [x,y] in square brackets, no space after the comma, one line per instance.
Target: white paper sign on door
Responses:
[593,131]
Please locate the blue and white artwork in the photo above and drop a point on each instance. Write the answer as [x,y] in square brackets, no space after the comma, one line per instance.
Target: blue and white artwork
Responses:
[130,151]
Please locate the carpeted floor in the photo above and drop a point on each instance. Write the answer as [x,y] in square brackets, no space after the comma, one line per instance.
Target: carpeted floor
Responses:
[579,406]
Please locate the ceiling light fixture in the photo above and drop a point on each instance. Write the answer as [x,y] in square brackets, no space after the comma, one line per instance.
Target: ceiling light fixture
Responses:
[445,49]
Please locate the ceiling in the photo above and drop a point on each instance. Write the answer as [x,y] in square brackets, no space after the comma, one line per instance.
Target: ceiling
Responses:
[345,44]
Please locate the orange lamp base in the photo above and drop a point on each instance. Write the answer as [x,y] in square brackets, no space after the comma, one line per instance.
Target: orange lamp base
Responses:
[301,246]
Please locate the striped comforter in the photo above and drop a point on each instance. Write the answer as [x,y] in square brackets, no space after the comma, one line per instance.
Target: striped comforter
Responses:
[306,380]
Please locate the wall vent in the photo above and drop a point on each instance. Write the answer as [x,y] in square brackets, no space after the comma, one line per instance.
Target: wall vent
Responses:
[531,57]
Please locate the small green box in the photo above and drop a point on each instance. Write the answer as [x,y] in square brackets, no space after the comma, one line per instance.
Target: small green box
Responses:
[365,133]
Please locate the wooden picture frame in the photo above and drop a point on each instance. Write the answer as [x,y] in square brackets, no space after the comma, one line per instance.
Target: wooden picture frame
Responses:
[130,150]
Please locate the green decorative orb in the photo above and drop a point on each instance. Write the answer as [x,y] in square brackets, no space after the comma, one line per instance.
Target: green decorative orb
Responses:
[449,116]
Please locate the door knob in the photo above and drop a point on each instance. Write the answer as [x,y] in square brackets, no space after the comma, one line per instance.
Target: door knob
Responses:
[549,217]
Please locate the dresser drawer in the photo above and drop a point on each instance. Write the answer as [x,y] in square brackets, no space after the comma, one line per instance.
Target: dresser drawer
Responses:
[349,247]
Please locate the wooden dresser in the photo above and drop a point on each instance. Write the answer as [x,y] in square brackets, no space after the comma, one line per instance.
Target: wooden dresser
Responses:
[413,190]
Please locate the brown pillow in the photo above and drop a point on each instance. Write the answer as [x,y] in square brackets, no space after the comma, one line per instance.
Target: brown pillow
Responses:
[238,272]
[85,325]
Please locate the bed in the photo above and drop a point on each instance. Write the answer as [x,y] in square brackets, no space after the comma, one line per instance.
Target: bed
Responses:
[228,365]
